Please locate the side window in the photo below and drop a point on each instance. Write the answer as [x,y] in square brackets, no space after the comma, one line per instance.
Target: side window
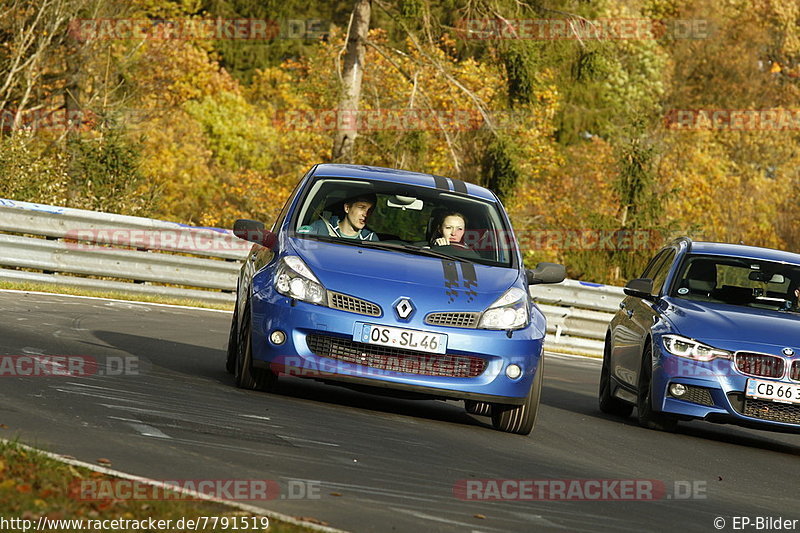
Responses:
[653,264]
[282,215]
[659,274]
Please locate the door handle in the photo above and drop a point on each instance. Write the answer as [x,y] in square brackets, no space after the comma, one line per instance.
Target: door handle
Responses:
[629,312]
[622,305]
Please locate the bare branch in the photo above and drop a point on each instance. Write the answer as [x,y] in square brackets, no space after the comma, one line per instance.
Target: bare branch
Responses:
[426,100]
[34,37]
[342,51]
[479,103]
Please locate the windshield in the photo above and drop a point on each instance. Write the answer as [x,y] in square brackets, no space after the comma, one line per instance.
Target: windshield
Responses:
[406,219]
[739,281]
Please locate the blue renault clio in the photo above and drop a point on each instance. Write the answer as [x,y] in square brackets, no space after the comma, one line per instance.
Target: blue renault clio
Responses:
[393,282]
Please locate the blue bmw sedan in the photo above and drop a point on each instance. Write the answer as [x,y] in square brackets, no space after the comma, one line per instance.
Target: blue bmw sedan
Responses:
[394,282]
[710,331]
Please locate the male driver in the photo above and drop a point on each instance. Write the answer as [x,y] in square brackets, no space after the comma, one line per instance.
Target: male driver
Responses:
[357,211]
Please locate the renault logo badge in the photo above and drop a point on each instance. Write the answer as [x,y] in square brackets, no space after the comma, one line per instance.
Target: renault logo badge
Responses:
[788,351]
[404,308]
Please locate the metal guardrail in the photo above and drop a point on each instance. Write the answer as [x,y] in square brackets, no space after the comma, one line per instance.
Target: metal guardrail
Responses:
[577,314]
[106,228]
[118,253]
[132,255]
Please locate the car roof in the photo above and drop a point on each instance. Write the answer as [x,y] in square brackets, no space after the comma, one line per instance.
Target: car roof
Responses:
[741,250]
[404,177]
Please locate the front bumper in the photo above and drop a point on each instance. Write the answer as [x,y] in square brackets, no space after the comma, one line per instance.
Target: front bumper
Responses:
[716,393]
[299,320]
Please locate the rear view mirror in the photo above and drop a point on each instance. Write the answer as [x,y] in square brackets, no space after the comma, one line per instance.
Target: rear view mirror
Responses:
[404,202]
[766,277]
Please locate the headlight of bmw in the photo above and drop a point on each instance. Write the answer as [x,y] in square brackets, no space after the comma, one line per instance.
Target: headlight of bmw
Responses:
[692,349]
[295,280]
[510,311]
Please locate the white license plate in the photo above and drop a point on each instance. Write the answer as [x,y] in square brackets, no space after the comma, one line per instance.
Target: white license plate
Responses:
[773,390]
[410,339]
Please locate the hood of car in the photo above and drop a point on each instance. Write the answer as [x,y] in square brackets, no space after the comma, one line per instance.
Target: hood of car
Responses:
[383,276]
[735,327]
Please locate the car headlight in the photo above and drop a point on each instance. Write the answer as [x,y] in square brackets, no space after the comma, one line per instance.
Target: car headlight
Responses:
[691,349]
[510,311]
[295,280]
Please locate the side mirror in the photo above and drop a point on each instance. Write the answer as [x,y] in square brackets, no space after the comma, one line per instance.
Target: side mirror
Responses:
[254,231]
[546,273]
[640,288]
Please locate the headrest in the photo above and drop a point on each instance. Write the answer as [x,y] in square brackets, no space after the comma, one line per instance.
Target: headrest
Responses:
[703,271]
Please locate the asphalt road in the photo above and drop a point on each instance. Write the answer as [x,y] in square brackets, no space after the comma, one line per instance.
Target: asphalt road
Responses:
[161,405]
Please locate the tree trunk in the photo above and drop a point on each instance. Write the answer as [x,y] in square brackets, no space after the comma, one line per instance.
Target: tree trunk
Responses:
[72,88]
[347,124]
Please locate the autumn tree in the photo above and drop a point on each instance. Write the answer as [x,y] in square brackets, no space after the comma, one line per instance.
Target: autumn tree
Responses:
[351,75]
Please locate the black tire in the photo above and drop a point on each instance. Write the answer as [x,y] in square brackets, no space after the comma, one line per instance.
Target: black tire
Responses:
[246,376]
[649,418]
[233,345]
[608,403]
[478,408]
[520,419]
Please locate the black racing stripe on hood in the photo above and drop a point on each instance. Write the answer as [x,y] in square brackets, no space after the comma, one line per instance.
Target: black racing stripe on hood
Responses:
[450,279]
[470,280]
[459,186]
[440,182]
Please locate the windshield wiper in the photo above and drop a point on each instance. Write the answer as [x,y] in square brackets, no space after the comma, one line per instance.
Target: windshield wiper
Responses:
[380,245]
[433,253]
[412,249]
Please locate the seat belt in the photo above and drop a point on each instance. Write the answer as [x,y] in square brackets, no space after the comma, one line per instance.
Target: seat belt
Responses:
[331,230]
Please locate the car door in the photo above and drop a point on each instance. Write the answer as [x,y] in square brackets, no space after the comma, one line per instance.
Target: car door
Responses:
[631,326]
[646,312]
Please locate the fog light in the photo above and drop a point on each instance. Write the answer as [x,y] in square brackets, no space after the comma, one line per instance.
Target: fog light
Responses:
[677,390]
[277,337]
[513,371]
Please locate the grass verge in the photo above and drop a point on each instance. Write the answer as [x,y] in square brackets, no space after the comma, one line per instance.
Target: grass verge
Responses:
[77,291]
[35,487]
